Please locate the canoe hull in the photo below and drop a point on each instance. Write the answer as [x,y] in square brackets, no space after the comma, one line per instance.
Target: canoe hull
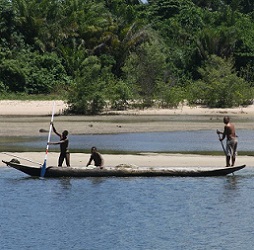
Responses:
[56,172]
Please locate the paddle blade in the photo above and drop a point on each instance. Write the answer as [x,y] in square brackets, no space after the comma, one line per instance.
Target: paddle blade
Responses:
[43,168]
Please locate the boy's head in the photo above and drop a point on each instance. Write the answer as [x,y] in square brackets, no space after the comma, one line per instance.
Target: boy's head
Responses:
[65,133]
[226,119]
[93,149]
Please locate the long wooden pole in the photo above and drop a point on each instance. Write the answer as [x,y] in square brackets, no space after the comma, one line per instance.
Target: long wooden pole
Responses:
[222,145]
[44,166]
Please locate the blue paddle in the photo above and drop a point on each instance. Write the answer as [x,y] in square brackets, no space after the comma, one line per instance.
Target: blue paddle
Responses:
[44,166]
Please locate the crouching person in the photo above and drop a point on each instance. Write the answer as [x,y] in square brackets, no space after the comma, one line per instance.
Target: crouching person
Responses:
[96,157]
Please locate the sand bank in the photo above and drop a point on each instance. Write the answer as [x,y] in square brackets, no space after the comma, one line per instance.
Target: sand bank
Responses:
[24,118]
[33,108]
[146,160]
[38,108]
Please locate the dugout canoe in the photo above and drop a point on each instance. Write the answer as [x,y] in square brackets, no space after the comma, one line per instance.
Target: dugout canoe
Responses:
[123,171]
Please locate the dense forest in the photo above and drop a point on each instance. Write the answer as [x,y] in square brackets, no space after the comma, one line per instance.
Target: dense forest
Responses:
[129,53]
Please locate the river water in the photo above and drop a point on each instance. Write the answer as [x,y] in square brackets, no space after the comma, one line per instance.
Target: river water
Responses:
[126,213]
[129,213]
[202,140]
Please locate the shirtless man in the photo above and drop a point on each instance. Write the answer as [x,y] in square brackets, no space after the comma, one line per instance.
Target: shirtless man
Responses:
[231,144]
[96,157]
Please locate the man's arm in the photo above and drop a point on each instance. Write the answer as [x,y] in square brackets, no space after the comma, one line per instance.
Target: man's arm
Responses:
[55,130]
[58,142]
[221,133]
[102,161]
[225,132]
[90,160]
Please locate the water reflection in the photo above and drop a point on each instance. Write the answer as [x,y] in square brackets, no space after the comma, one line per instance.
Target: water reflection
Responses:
[65,183]
[232,182]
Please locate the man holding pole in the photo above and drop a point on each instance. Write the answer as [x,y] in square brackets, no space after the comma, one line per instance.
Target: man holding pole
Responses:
[231,144]
[64,151]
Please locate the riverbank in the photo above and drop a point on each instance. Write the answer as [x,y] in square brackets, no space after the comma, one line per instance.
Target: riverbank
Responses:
[31,118]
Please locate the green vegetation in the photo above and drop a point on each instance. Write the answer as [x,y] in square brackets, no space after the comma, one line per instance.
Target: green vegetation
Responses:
[124,53]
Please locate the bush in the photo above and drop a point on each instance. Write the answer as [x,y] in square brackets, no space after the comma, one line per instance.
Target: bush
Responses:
[32,73]
[219,86]
[170,97]
[87,93]
[119,95]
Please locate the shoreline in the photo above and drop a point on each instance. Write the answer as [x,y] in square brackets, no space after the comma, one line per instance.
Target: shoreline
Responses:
[27,118]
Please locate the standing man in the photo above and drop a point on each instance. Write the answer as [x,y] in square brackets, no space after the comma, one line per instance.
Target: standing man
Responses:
[231,144]
[96,157]
[64,151]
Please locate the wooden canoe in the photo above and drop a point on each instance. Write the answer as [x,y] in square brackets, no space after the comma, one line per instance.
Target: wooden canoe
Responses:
[123,171]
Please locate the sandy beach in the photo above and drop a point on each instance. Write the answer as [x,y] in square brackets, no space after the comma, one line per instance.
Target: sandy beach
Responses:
[42,108]
[21,118]
[142,160]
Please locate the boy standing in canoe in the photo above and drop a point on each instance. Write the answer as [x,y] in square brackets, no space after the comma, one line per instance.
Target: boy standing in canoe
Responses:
[64,151]
[231,144]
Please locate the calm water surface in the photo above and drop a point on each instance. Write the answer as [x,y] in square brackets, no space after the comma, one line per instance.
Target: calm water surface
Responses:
[127,213]
[203,140]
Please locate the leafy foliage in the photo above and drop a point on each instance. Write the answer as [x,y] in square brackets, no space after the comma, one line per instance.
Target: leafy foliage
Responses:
[112,53]
[87,95]
[219,86]
[144,68]
[33,74]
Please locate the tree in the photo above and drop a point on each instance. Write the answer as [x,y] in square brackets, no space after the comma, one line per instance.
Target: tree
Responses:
[87,93]
[244,51]
[7,22]
[144,68]
[128,50]
[209,4]
[33,73]
[28,22]
[219,86]
[127,32]
[220,41]
[166,9]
